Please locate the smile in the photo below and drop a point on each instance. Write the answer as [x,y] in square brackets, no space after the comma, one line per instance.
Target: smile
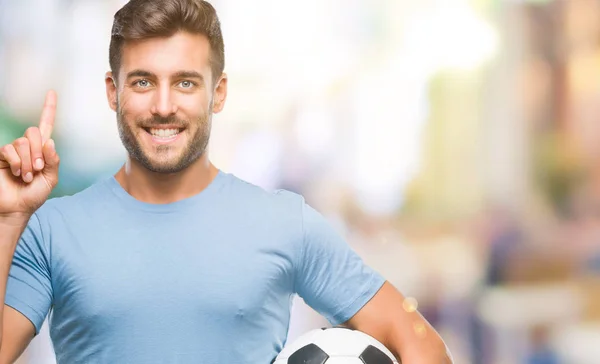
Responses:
[163,135]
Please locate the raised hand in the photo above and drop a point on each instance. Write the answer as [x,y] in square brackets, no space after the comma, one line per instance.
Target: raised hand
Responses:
[29,166]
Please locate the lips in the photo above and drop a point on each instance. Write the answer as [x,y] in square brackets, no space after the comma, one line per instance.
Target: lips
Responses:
[160,130]
[164,133]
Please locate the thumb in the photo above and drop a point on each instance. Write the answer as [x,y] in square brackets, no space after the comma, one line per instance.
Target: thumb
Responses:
[51,158]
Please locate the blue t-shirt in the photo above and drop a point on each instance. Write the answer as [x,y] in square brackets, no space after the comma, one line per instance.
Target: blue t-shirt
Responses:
[208,279]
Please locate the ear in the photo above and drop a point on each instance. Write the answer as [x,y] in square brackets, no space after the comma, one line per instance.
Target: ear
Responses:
[111,90]
[220,94]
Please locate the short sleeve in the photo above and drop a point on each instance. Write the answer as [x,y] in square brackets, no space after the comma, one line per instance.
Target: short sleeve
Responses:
[29,288]
[331,277]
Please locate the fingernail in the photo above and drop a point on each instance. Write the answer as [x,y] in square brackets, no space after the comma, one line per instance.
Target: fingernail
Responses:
[18,173]
[39,163]
[28,177]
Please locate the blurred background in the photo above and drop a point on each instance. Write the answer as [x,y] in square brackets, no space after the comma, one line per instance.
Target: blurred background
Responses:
[454,143]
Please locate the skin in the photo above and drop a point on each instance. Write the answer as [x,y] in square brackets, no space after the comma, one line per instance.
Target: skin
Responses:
[159,89]
[165,83]
[395,322]
[24,186]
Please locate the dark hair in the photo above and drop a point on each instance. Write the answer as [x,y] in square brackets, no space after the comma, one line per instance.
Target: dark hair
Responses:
[143,19]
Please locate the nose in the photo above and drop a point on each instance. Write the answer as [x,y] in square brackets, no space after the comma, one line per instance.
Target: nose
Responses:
[163,104]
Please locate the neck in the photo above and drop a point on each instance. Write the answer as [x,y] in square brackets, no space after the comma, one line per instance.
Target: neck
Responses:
[162,188]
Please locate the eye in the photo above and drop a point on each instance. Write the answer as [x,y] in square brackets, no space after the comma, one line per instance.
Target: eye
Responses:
[142,83]
[186,84]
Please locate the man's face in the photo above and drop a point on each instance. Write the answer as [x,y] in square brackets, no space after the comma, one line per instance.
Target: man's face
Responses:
[164,100]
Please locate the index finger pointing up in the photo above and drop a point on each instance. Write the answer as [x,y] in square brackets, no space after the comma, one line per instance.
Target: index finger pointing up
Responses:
[48,114]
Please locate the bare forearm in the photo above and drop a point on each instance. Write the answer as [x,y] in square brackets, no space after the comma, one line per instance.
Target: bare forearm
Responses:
[420,344]
[11,228]
[394,320]
[439,355]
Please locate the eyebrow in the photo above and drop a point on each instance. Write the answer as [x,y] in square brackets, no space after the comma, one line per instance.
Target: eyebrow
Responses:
[139,73]
[179,74]
[188,74]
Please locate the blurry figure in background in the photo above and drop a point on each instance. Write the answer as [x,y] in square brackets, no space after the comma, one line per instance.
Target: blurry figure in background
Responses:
[504,239]
[500,237]
[541,348]
[172,258]
[583,226]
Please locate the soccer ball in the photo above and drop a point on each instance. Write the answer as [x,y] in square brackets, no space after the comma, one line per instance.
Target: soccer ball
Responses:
[335,346]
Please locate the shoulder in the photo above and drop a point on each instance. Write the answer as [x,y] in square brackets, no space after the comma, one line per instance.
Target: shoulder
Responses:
[58,213]
[76,204]
[256,197]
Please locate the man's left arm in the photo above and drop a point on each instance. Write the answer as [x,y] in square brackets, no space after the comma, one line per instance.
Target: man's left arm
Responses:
[400,327]
[334,281]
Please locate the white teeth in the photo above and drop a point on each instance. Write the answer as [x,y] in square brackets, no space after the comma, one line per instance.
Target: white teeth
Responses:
[164,133]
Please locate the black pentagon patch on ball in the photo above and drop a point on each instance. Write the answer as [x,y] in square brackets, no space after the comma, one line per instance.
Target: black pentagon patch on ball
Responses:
[309,354]
[372,355]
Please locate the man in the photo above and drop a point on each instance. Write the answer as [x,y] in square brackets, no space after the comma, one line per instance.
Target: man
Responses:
[172,260]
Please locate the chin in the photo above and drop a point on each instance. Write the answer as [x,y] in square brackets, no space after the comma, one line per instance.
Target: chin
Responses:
[165,159]
[167,166]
